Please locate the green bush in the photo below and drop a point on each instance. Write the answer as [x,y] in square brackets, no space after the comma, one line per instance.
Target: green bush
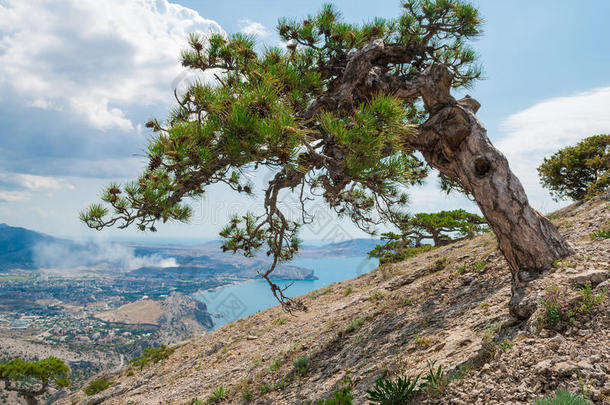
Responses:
[556,309]
[588,300]
[389,392]
[152,355]
[341,397]
[354,325]
[218,395]
[600,234]
[301,365]
[97,386]
[563,398]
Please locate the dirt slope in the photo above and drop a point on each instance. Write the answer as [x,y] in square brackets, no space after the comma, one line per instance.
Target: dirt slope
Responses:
[448,306]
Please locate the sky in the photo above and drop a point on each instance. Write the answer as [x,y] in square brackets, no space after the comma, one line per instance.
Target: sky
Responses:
[79,78]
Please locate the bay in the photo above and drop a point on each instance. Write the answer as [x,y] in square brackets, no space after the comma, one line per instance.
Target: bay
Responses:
[227,304]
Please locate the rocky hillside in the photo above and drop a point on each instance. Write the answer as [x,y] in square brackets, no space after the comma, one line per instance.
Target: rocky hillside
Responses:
[449,306]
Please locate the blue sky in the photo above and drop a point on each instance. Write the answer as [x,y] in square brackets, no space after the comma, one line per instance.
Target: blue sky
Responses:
[79,78]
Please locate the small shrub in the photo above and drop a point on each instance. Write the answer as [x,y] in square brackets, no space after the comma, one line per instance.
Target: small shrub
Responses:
[435,381]
[279,321]
[588,300]
[246,395]
[218,395]
[354,325]
[376,296]
[462,269]
[348,291]
[563,398]
[130,373]
[505,345]
[301,365]
[97,386]
[265,388]
[388,392]
[600,234]
[480,265]
[556,309]
[440,264]
[342,396]
[280,384]
[195,401]
[277,363]
[152,355]
[422,342]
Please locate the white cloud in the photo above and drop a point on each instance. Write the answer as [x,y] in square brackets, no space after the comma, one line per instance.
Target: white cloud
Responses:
[14,195]
[94,60]
[32,182]
[250,27]
[548,126]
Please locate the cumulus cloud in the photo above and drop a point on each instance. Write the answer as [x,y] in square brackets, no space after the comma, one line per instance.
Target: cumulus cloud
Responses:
[250,27]
[93,59]
[548,126]
[79,77]
[18,187]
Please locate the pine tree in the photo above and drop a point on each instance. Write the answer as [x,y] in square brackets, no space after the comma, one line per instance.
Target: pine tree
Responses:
[32,379]
[339,113]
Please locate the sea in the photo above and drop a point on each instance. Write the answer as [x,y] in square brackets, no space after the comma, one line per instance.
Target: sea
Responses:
[232,302]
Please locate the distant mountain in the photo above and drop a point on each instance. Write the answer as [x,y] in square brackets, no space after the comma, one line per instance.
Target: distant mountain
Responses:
[348,248]
[17,247]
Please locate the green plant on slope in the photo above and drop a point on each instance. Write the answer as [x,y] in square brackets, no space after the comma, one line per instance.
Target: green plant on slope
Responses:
[301,365]
[556,309]
[218,395]
[435,381]
[152,355]
[600,234]
[96,386]
[563,398]
[588,300]
[342,396]
[393,392]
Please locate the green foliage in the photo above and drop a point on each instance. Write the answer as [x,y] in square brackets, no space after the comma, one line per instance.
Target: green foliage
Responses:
[393,392]
[278,108]
[588,300]
[556,309]
[219,395]
[348,291]
[265,388]
[97,386]
[578,172]
[277,363]
[435,381]
[479,266]
[563,398]
[31,378]
[354,325]
[301,365]
[342,396]
[441,227]
[505,345]
[246,395]
[152,355]
[600,234]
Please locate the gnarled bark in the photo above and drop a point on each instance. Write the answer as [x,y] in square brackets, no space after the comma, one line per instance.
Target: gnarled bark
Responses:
[455,142]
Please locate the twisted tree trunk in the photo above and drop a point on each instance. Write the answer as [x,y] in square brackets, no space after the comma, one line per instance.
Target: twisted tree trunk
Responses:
[455,142]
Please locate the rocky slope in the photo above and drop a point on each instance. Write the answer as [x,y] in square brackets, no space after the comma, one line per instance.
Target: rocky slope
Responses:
[447,306]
